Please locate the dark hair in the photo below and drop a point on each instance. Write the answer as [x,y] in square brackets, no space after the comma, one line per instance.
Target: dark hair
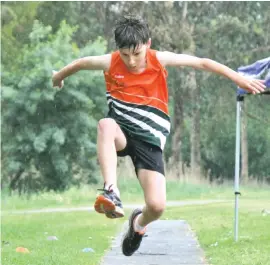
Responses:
[131,31]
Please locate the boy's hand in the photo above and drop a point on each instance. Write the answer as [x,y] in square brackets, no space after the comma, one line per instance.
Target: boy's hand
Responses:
[253,86]
[56,81]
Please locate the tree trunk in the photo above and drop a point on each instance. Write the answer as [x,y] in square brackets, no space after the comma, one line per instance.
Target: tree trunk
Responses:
[14,180]
[178,118]
[195,126]
[178,128]
[244,144]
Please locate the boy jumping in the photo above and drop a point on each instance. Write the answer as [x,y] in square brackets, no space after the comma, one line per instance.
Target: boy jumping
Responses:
[138,121]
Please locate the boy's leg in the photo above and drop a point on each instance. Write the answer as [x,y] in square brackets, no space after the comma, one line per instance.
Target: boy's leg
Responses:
[110,139]
[154,187]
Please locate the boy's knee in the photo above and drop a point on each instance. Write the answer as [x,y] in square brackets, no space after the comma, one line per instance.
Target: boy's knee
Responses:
[106,125]
[156,208]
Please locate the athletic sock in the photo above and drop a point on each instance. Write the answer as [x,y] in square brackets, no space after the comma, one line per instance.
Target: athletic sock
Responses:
[114,188]
[137,227]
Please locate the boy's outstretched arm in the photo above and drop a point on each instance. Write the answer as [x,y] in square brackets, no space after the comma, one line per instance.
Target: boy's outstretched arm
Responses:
[172,59]
[86,63]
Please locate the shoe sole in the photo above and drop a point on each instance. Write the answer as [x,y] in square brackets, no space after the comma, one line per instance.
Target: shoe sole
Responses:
[107,207]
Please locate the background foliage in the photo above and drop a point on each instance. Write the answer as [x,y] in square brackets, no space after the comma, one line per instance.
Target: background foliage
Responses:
[49,136]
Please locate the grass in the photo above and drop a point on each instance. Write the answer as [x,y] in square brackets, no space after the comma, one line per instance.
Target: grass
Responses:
[75,231]
[213,225]
[130,192]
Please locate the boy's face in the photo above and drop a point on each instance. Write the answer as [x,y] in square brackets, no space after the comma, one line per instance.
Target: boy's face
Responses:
[134,58]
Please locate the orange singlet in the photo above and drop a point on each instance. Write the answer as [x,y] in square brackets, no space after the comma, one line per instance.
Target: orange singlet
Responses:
[139,102]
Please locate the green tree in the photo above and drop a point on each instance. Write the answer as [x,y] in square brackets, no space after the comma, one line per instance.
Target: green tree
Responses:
[82,14]
[234,34]
[49,133]
[17,21]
